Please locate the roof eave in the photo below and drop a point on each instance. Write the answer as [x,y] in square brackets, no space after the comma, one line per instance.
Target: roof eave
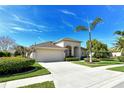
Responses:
[49,48]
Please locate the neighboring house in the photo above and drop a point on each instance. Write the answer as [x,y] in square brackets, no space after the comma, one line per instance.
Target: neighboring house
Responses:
[57,51]
[116,54]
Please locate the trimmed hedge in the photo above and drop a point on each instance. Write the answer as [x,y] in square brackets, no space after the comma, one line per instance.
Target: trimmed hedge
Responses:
[121,58]
[5,54]
[93,60]
[14,64]
[72,59]
[107,59]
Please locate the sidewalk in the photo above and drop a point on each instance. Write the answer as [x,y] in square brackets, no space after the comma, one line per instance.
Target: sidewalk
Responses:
[27,81]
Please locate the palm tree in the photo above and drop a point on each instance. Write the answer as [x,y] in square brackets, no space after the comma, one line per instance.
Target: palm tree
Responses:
[91,26]
[119,45]
[119,32]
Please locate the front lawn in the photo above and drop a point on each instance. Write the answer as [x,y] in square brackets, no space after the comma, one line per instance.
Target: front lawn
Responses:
[47,84]
[121,68]
[37,72]
[97,64]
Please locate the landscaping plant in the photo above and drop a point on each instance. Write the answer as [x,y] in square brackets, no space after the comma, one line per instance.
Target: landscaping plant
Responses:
[91,27]
[93,60]
[5,54]
[14,64]
[121,58]
[72,59]
[119,45]
[102,54]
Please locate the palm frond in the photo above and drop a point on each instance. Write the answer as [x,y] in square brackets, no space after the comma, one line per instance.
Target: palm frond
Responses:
[95,22]
[79,28]
[119,32]
[119,45]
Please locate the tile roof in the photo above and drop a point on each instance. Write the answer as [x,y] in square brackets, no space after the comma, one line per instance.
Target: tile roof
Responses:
[68,39]
[47,44]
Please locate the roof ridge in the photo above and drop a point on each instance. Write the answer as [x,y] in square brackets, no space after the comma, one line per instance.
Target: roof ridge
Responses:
[71,39]
[48,44]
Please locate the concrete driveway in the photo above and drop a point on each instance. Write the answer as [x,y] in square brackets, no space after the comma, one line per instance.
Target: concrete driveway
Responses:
[69,75]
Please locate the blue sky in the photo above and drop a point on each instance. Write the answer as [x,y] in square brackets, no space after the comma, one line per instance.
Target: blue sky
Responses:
[30,24]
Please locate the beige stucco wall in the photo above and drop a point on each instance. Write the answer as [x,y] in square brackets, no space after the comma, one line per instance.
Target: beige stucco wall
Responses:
[68,43]
[76,48]
[49,55]
[61,44]
[75,51]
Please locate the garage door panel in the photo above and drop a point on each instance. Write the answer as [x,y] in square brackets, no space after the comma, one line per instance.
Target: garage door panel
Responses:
[50,55]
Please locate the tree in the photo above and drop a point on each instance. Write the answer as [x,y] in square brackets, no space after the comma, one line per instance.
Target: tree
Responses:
[23,51]
[20,50]
[91,27]
[6,43]
[100,49]
[119,45]
[29,51]
[97,45]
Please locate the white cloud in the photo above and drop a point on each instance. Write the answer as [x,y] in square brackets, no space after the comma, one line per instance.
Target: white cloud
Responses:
[2,9]
[13,27]
[67,23]
[40,39]
[68,12]
[16,17]
[18,28]
[25,21]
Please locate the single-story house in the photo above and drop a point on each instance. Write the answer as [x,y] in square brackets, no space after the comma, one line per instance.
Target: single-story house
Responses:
[57,51]
[116,54]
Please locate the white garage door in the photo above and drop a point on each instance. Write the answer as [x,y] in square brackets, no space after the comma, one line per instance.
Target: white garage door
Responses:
[50,55]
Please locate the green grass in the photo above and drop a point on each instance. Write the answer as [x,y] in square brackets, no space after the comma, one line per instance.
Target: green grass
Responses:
[97,64]
[47,84]
[121,68]
[38,72]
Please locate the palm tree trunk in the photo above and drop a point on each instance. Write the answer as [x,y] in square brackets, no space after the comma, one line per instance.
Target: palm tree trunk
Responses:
[90,50]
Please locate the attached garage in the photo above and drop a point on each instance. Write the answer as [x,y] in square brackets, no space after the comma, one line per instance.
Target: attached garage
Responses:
[48,52]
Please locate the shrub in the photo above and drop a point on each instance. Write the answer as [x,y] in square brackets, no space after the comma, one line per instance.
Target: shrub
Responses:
[14,64]
[107,59]
[16,53]
[102,54]
[5,54]
[72,59]
[8,54]
[2,54]
[93,60]
[121,58]
[82,57]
